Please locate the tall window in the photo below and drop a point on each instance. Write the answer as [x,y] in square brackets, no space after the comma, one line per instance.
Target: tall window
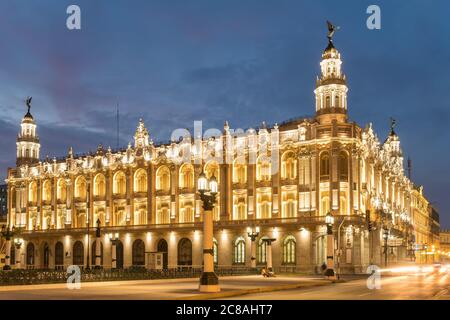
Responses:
[47,191]
[264,205]
[262,250]
[138,253]
[186,176]
[99,185]
[343,165]
[239,171]
[240,207]
[186,211]
[324,166]
[140,181]
[289,204]
[162,212]
[32,192]
[327,102]
[239,251]
[61,190]
[163,178]
[263,169]
[288,165]
[120,183]
[289,245]
[336,101]
[80,188]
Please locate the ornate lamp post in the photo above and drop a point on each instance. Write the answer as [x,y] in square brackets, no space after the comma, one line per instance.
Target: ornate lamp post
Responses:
[114,238]
[209,282]
[253,233]
[7,233]
[17,244]
[98,253]
[329,220]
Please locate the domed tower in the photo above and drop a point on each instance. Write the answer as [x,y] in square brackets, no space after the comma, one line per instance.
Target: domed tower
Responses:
[331,86]
[28,145]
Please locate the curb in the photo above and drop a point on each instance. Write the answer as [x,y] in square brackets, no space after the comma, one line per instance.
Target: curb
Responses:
[236,293]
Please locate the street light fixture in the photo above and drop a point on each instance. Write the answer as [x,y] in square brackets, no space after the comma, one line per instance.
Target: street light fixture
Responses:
[209,282]
[329,220]
[253,233]
[98,251]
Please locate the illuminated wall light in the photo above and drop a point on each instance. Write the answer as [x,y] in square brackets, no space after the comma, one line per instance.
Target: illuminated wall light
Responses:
[224,235]
[149,236]
[196,235]
[275,232]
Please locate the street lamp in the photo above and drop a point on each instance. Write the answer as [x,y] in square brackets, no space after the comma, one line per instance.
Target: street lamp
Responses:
[114,238]
[17,244]
[329,220]
[253,233]
[7,233]
[98,252]
[385,237]
[209,282]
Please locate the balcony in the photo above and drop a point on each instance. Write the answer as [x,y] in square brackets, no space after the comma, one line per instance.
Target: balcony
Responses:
[119,196]
[288,181]
[160,193]
[140,195]
[263,183]
[240,185]
[186,190]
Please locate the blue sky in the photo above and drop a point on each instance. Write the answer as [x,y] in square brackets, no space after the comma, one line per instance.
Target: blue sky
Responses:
[173,62]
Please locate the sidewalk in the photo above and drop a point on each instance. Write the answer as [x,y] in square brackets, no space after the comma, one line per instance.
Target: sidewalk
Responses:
[173,289]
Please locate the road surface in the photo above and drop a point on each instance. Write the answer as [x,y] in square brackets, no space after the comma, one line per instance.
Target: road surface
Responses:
[411,287]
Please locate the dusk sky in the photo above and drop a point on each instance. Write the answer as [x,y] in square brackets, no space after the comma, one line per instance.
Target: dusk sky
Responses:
[173,62]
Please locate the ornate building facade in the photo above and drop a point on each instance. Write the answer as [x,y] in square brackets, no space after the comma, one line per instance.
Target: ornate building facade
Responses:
[283,179]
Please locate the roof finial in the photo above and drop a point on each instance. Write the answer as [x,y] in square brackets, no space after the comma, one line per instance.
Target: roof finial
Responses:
[331,30]
[393,123]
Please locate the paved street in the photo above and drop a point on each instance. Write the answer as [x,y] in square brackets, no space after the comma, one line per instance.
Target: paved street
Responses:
[428,286]
[143,289]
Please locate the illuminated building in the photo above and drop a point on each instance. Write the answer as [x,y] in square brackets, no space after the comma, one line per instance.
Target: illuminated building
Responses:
[283,179]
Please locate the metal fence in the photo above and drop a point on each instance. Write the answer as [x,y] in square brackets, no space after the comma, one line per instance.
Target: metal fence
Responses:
[36,276]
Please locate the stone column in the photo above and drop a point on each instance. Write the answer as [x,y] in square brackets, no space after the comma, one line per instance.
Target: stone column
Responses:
[209,282]
[7,265]
[253,253]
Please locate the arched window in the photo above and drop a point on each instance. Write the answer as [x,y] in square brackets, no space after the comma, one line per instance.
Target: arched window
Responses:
[289,250]
[239,251]
[343,165]
[215,251]
[163,178]
[59,255]
[163,248]
[262,251]
[186,179]
[61,190]
[80,188]
[138,253]
[288,165]
[324,166]
[47,191]
[212,168]
[30,254]
[239,171]
[140,181]
[32,192]
[327,102]
[78,254]
[185,252]
[263,169]
[343,205]
[99,185]
[120,183]
[336,101]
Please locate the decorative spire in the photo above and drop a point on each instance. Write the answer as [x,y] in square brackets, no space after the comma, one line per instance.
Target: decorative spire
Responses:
[28,103]
[393,123]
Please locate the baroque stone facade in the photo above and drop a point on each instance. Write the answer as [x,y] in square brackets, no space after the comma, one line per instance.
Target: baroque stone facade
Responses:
[283,179]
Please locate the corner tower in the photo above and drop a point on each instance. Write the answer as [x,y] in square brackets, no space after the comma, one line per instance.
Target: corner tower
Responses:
[28,145]
[331,86]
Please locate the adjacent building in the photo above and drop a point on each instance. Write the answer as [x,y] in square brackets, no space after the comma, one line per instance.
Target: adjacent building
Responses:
[284,179]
